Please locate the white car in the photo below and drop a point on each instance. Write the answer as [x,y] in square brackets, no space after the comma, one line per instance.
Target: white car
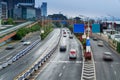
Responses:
[107,56]
[73,54]
[26,43]
[100,43]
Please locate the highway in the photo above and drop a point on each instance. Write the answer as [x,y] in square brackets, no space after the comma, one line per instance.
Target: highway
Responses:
[105,70]
[24,62]
[7,54]
[60,67]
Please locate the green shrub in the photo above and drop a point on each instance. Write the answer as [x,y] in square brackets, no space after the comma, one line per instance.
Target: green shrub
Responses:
[23,31]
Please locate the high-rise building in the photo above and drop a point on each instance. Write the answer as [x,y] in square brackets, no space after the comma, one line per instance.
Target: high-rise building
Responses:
[24,11]
[0,10]
[3,10]
[44,9]
[11,5]
[38,13]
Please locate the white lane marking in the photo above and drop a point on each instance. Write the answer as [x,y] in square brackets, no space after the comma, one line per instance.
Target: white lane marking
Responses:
[60,74]
[115,72]
[63,67]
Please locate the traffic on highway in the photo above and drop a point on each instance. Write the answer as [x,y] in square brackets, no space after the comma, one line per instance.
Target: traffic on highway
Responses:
[59,40]
[61,55]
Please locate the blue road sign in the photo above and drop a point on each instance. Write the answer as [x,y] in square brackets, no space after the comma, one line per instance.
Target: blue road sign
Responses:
[88,42]
[78,28]
[95,28]
[63,22]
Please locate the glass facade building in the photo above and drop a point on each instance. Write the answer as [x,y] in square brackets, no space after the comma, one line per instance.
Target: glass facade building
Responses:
[3,10]
[44,9]
[11,4]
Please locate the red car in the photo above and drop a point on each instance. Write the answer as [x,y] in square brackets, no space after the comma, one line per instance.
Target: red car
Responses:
[73,54]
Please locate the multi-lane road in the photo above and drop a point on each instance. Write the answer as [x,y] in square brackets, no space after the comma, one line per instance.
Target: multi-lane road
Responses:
[27,60]
[59,66]
[105,70]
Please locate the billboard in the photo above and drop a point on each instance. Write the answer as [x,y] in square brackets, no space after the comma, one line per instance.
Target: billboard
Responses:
[95,28]
[78,28]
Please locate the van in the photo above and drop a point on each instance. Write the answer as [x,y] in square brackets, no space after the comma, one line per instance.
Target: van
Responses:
[63,46]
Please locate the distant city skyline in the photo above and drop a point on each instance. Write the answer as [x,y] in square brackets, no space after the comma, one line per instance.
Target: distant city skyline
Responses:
[90,8]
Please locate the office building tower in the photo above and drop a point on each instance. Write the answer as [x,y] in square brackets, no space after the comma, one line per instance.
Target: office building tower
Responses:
[4,10]
[44,9]
[38,13]
[12,3]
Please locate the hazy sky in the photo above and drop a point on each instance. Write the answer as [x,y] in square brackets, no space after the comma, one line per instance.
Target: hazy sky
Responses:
[91,8]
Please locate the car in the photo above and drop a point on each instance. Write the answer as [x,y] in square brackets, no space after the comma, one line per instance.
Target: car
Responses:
[107,56]
[73,54]
[64,35]
[68,32]
[95,38]
[71,36]
[64,32]
[9,47]
[26,43]
[22,40]
[63,46]
[100,43]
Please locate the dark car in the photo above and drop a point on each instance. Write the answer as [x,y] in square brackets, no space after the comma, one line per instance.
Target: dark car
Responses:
[62,48]
[95,38]
[9,47]
[107,56]
[71,36]
[22,40]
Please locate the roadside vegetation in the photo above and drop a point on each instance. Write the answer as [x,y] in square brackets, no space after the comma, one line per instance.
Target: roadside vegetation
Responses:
[24,31]
[47,29]
[9,21]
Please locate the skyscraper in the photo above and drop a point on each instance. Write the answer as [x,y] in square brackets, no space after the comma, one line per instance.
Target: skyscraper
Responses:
[44,9]
[0,9]
[4,10]
[11,4]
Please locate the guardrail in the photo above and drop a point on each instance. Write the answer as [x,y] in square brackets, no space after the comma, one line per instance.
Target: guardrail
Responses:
[38,63]
[18,55]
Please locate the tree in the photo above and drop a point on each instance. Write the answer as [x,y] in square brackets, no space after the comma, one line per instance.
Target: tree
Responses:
[118,47]
[10,21]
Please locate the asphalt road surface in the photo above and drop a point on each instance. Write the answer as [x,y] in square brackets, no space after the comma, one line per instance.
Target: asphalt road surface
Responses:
[17,67]
[60,67]
[18,46]
[105,70]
